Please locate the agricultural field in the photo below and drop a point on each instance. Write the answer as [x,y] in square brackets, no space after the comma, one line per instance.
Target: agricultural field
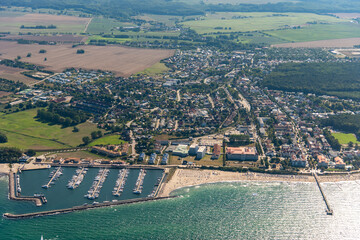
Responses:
[106,25]
[255,21]
[14,74]
[331,43]
[123,61]
[345,138]
[317,32]
[12,21]
[66,38]
[25,132]
[107,140]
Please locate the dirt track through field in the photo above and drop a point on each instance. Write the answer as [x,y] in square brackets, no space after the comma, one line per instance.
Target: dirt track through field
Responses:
[123,61]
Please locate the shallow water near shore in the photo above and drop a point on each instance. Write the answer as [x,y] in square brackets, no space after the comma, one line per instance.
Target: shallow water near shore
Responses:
[238,210]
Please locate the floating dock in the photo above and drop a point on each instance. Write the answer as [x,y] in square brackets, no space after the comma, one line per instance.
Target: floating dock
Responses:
[76,180]
[329,211]
[54,175]
[139,182]
[120,182]
[97,184]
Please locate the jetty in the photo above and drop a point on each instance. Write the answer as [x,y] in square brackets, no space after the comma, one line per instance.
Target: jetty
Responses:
[53,176]
[97,184]
[120,182]
[13,196]
[76,180]
[329,211]
[139,182]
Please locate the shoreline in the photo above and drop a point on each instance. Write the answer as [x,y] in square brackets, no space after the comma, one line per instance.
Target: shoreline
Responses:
[184,178]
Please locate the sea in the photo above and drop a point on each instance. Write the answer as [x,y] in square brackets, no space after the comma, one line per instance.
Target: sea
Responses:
[235,210]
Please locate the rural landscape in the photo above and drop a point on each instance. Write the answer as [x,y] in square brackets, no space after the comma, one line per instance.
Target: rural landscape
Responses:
[107,103]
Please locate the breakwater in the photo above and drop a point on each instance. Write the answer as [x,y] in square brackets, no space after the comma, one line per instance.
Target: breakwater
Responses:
[84,207]
[329,211]
[13,196]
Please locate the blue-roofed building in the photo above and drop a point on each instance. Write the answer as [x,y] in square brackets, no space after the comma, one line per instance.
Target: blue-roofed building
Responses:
[141,157]
[165,159]
[152,158]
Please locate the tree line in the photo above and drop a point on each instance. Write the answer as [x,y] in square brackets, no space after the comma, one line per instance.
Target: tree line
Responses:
[65,116]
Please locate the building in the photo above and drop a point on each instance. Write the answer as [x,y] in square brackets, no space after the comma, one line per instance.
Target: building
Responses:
[165,159]
[216,152]
[152,158]
[181,151]
[322,161]
[141,157]
[339,163]
[298,162]
[112,150]
[201,152]
[193,149]
[241,153]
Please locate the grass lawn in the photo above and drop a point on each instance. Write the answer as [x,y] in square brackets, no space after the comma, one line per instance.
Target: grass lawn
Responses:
[81,154]
[255,21]
[345,138]
[25,132]
[107,140]
[157,68]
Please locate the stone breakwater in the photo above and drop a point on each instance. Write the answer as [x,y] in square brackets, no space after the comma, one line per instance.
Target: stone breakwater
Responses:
[80,208]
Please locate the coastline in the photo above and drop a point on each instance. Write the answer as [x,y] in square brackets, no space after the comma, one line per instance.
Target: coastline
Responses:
[194,177]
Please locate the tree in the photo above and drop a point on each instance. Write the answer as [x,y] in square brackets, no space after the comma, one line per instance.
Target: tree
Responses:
[28,55]
[86,140]
[351,144]
[80,51]
[30,152]
[76,129]
[42,51]
[3,138]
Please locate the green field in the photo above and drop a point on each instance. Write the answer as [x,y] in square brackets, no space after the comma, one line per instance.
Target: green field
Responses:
[107,140]
[255,21]
[157,68]
[345,138]
[105,25]
[318,32]
[24,132]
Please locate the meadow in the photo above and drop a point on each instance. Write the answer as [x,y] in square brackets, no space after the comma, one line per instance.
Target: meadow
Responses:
[155,69]
[25,132]
[345,138]
[255,21]
[107,140]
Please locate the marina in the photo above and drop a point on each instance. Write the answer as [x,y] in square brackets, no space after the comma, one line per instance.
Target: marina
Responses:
[54,175]
[139,182]
[99,180]
[120,182]
[78,177]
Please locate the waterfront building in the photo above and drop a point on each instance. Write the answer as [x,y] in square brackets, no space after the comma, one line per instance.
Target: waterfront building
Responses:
[241,153]
[322,161]
[216,152]
[339,163]
[201,152]
[193,149]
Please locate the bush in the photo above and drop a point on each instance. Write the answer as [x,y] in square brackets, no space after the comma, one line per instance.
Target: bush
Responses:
[80,51]
[3,138]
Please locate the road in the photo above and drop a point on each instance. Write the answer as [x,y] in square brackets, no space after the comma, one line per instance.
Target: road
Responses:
[211,101]
[178,97]
[32,84]
[133,143]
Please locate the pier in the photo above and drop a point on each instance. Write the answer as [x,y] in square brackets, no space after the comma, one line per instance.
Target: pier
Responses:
[97,185]
[329,211]
[56,174]
[139,182]
[120,183]
[77,179]
[13,196]
[80,208]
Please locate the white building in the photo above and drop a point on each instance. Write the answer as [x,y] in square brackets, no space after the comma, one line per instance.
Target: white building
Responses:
[201,152]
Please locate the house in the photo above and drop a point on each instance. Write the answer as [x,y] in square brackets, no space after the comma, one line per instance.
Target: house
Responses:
[339,163]
[241,153]
[152,158]
[141,157]
[165,159]
[322,161]
[298,162]
[216,152]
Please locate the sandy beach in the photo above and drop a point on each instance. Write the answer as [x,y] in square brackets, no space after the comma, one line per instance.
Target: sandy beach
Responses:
[191,177]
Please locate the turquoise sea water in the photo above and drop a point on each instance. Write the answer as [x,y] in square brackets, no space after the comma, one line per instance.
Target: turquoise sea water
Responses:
[242,210]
